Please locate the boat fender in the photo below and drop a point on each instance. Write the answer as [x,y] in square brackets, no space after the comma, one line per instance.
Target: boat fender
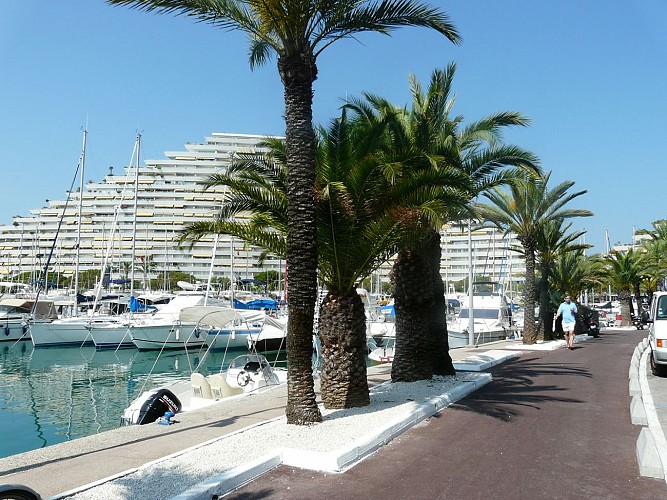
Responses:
[7,329]
[167,419]
[197,332]
[243,378]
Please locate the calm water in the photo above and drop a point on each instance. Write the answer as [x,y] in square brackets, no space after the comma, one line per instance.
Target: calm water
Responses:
[51,395]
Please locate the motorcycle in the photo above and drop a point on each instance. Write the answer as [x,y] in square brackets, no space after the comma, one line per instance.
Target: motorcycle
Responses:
[594,328]
[592,321]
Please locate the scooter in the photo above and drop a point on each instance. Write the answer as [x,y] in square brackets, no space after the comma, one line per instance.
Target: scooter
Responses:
[594,328]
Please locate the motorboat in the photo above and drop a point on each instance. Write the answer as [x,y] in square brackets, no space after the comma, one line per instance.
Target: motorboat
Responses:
[223,327]
[168,328]
[246,374]
[491,317]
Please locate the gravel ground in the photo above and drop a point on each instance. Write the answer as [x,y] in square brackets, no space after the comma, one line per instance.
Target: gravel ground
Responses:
[340,430]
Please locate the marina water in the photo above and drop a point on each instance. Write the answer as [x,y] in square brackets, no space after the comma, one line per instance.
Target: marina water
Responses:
[51,395]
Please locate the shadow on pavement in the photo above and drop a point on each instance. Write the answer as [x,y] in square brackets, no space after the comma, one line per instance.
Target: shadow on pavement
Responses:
[514,387]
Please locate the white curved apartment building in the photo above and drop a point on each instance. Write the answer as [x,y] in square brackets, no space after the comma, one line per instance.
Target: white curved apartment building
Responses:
[170,197]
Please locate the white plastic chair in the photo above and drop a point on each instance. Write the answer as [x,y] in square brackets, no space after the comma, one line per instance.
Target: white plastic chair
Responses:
[200,386]
[220,388]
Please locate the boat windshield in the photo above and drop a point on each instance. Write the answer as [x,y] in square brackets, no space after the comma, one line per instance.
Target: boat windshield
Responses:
[480,313]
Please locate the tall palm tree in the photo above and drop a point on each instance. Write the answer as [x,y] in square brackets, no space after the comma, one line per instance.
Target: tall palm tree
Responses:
[428,137]
[524,210]
[297,31]
[553,241]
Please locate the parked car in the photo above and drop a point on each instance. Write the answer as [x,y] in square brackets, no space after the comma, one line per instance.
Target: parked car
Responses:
[657,334]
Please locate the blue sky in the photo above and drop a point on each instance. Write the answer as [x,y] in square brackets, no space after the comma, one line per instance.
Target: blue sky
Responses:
[591,76]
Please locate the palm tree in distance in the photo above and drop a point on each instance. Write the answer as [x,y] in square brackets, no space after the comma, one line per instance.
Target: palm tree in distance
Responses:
[297,31]
[524,210]
[554,240]
[625,272]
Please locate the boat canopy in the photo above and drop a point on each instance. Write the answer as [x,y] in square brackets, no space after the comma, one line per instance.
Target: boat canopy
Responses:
[217,316]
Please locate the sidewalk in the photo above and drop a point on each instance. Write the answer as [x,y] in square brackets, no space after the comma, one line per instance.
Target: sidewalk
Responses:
[68,466]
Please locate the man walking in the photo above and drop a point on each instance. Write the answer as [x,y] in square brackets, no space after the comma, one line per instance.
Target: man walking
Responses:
[567,310]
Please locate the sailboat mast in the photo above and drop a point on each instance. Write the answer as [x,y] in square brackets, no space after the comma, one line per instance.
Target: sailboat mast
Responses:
[134,221]
[471,306]
[78,227]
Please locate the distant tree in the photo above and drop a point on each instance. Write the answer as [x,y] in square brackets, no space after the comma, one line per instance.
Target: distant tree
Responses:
[625,272]
[524,209]
[554,239]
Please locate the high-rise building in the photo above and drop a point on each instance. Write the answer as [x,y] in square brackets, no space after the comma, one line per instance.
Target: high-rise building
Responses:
[169,195]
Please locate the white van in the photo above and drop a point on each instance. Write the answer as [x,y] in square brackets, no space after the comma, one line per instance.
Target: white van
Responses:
[657,334]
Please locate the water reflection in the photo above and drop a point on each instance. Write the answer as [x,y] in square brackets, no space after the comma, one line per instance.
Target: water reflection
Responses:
[50,395]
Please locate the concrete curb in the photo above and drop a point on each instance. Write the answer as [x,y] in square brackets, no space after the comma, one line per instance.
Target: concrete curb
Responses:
[483,361]
[651,444]
[232,479]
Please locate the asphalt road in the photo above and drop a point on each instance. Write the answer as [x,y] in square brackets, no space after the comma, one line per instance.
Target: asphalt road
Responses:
[553,424]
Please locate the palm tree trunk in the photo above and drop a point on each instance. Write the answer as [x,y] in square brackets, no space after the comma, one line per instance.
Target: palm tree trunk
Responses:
[546,314]
[413,301]
[625,298]
[529,326]
[298,76]
[342,331]
[440,358]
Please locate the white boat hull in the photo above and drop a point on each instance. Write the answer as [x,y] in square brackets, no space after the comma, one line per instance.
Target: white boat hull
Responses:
[12,330]
[70,331]
[111,336]
[167,336]
[231,338]
[458,339]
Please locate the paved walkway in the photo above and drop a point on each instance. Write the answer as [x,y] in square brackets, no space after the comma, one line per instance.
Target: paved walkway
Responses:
[551,425]
[509,439]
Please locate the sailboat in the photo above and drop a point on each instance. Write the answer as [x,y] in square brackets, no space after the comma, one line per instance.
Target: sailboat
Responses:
[74,330]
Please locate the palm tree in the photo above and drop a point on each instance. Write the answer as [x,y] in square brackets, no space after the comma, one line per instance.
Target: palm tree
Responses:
[571,273]
[656,264]
[362,217]
[427,137]
[553,241]
[524,210]
[625,273]
[297,31]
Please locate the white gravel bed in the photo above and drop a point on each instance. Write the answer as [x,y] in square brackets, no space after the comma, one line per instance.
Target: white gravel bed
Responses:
[339,431]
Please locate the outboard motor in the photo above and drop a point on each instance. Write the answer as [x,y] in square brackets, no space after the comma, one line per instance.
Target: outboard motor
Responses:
[150,406]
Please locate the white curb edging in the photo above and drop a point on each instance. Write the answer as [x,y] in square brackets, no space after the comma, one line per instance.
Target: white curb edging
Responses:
[660,443]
